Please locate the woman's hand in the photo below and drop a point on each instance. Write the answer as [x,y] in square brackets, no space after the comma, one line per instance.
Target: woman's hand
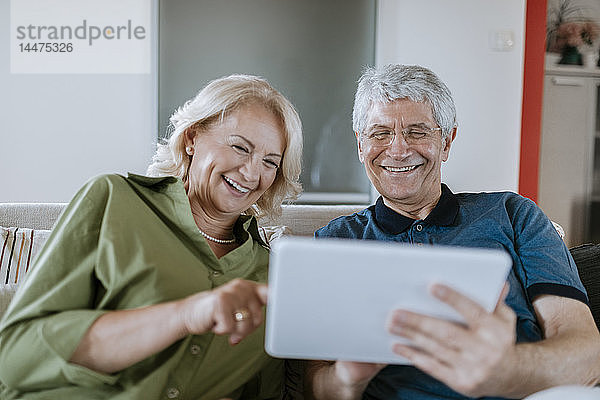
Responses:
[234,309]
[119,339]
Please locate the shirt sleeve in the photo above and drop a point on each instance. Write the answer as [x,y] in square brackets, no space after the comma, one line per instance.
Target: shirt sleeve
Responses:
[54,308]
[546,263]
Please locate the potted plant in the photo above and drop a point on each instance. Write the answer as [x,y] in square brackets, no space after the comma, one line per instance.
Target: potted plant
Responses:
[574,37]
[570,32]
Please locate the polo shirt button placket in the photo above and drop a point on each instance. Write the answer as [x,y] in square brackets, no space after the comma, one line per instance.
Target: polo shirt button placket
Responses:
[419,228]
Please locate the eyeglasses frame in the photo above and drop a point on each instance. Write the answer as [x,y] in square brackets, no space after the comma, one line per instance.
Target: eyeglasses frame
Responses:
[404,132]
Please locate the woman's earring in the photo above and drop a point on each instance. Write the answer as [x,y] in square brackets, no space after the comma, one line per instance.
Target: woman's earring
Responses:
[189,150]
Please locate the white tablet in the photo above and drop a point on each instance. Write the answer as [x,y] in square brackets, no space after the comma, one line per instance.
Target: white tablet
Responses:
[330,299]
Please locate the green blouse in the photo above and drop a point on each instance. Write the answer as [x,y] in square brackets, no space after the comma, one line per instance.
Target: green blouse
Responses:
[124,243]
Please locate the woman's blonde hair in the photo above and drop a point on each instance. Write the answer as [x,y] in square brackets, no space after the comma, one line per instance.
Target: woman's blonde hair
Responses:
[211,105]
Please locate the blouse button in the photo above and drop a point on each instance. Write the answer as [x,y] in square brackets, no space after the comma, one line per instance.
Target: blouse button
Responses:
[419,228]
[172,393]
[195,349]
[217,273]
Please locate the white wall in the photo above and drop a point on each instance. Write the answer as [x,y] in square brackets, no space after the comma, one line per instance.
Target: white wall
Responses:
[58,130]
[453,39]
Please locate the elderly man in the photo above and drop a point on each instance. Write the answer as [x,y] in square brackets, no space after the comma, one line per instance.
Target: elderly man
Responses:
[540,334]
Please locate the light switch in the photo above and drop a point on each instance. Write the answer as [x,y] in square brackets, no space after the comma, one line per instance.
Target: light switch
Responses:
[501,40]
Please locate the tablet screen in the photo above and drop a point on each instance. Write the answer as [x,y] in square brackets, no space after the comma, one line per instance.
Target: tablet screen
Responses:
[330,299]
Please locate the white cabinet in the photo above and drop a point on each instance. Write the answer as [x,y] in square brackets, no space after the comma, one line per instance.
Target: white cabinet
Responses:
[569,136]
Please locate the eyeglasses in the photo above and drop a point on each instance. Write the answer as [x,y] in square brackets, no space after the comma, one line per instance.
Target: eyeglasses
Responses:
[385,137]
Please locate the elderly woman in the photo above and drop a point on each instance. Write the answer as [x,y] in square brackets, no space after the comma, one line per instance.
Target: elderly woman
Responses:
[149,287]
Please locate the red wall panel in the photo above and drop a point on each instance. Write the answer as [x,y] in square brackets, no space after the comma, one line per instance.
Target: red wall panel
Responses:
[533,90]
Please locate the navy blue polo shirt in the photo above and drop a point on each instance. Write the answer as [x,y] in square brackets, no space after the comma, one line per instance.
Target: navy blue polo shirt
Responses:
[542,263]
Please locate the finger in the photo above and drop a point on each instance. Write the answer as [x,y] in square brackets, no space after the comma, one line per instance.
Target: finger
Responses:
[471,311]
[223,316]
[502,309]
[253,314]
[425,362]
[505,313]
[229,313]
[244,298]
[224,324]
[253,303]
[504,292]
[428,332]
[244,324]
[503,295]
[229,299]
[445,351]
[262,291]
[256,311]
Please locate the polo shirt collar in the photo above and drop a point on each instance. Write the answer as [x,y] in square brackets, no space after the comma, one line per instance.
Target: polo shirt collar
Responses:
[443,214]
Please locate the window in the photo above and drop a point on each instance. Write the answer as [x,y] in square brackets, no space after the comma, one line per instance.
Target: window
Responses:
[313,51]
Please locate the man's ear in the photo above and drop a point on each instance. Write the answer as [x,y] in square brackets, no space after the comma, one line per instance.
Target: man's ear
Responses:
[359,149]
[448,144]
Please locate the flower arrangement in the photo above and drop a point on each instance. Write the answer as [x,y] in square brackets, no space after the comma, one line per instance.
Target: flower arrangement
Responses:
[568,26]
[576,34]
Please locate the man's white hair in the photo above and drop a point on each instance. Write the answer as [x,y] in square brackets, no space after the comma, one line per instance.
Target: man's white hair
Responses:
[395,81]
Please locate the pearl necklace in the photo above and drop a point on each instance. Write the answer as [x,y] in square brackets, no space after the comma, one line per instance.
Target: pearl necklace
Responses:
[213,239]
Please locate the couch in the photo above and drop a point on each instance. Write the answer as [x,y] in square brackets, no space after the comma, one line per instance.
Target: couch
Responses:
[30,224]
[32,221]
[35,220]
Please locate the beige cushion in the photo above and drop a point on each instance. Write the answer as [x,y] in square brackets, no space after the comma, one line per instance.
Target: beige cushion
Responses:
[30,215]
[303,220]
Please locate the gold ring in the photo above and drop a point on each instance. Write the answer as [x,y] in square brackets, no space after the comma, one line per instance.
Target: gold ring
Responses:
[241,315]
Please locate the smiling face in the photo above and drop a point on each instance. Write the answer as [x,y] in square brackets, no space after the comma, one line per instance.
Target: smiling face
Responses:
[408,176]
[235,161]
